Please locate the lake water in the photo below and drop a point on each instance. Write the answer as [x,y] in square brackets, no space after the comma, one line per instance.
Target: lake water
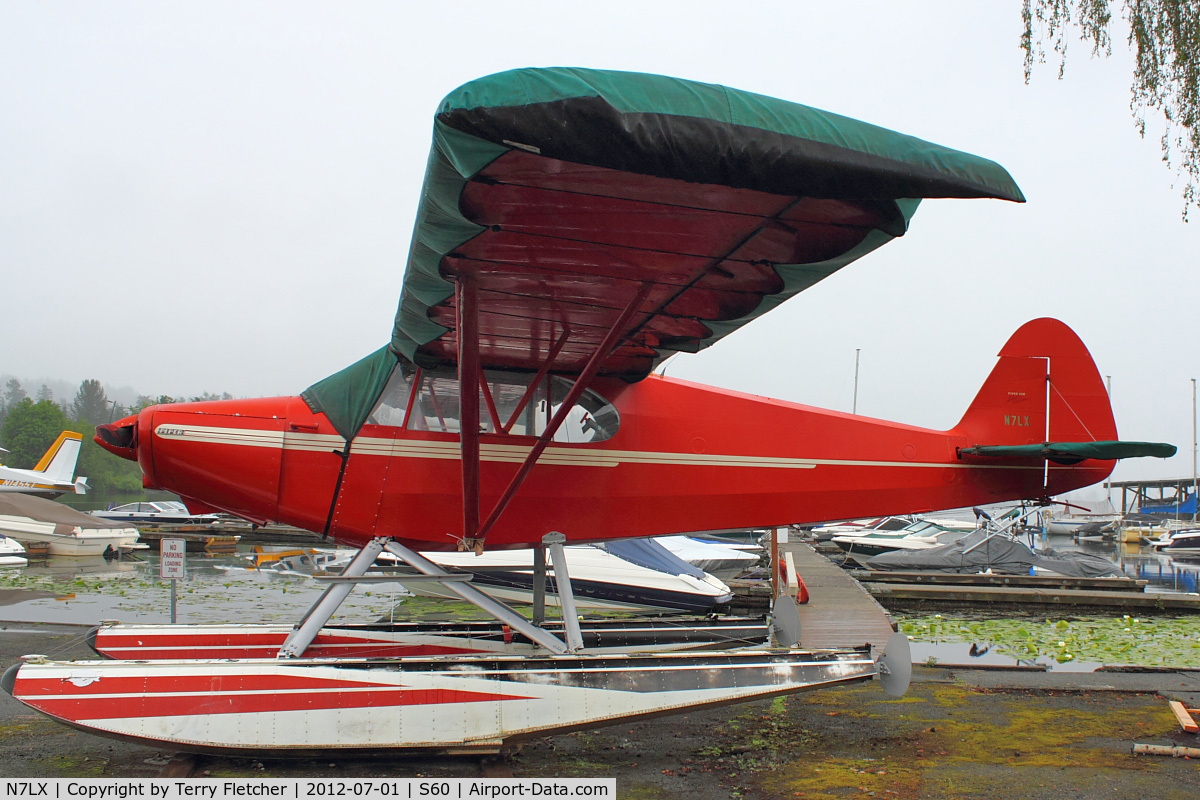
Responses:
[218,589]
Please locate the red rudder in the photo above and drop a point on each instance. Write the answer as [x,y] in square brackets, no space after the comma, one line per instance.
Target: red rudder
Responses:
[1044,371]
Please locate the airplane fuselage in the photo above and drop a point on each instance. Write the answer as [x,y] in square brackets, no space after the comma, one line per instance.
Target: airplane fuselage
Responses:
[679,457]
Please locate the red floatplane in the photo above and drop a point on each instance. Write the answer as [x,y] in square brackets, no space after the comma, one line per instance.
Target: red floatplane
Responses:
[576,228]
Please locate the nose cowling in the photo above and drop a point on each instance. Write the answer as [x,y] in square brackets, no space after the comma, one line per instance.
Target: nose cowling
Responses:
[130,438]
[119,438]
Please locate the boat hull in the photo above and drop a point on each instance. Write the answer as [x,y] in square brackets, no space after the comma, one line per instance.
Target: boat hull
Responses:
[599,580]
[308,707]
[91,542]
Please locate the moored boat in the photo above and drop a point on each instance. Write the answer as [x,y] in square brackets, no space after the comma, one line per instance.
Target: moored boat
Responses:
[295,561]
[1180,543]
[67,532]
[621,575]
[157,512]
[717,557]
[921,534]
[12,554]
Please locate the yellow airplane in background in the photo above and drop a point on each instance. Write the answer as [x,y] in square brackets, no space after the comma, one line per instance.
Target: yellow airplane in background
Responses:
[53,474]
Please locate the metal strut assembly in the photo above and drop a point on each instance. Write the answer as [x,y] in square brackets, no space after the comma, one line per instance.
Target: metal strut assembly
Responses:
[480,600]
[324,608]
[329,601]
[566,595]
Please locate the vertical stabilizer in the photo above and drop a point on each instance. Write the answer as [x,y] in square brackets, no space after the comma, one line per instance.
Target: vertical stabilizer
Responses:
[1045,388]
[58,463]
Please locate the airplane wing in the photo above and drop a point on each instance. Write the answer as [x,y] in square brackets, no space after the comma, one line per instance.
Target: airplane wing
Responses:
[571,194]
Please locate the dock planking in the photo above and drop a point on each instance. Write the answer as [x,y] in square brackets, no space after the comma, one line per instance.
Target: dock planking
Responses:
[898,593]
[1000,579]
[839,612]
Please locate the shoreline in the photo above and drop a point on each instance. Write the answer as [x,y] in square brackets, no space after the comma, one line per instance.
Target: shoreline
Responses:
[955,729]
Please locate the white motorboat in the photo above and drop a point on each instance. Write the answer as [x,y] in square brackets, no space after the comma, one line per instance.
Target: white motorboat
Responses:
[826,532]
[157,512]
[1077,516]
[1179,543]
[717,557]
[12,554]
[68,532]
[630,574]
[919,535]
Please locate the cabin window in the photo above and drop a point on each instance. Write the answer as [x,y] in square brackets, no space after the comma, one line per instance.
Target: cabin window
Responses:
[436,407]
[393,401]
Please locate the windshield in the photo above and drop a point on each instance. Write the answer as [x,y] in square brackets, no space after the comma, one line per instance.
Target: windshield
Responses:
[509,405]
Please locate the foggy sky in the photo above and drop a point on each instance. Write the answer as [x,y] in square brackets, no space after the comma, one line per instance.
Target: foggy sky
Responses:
[219,197]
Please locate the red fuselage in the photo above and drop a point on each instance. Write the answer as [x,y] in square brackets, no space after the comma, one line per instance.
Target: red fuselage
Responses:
[683,458]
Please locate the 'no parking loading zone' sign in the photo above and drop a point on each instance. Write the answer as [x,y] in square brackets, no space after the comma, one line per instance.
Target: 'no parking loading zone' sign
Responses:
[172,562]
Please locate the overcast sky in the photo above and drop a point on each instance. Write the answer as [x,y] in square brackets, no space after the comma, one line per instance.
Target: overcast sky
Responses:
[219,196]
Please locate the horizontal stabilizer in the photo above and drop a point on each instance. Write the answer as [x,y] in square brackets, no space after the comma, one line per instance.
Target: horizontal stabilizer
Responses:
[1073,452]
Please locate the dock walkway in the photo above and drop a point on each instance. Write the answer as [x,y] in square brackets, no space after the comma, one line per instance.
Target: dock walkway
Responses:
[839,612]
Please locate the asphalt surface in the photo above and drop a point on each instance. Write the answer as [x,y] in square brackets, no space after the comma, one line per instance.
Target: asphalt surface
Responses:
[958,733]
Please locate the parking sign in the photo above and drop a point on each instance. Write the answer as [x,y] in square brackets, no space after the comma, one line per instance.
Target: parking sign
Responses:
[171,563]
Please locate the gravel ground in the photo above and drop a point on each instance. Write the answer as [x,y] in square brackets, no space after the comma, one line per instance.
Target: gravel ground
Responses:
[954,735]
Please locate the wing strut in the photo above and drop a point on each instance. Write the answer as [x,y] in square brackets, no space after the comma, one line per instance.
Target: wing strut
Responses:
[537,379]
[468,371]
[469,376]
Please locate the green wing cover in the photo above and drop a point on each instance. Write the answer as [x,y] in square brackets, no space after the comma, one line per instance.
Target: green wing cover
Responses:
[562,190]
[694,134]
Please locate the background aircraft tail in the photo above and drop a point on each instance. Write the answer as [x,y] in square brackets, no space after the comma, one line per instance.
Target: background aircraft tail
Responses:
[58,463]
[1045,388]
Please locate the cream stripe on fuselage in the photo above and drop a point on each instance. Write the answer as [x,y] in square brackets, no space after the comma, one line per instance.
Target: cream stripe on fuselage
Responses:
[504,453]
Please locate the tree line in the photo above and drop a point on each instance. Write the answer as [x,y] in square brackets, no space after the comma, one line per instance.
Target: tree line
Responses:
[29,426]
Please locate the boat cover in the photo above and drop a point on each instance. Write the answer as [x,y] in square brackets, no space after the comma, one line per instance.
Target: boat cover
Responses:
[566,195]
[1185,507]
[652,555]
[999,554]
[15,504]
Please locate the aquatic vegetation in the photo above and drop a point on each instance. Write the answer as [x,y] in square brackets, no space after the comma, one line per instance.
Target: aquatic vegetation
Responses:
[947,748]
[1123,640]
[132,592]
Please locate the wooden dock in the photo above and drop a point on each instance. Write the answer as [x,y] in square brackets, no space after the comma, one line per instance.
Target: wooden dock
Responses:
[839,612]
[997,579]
[914,593]
[908,589]
[197,539]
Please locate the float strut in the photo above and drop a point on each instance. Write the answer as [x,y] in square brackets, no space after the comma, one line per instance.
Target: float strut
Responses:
[467,592]
[566,597]
[304,633]
[539,585]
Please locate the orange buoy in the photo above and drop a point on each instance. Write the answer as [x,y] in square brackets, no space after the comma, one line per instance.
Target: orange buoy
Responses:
[802,591]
